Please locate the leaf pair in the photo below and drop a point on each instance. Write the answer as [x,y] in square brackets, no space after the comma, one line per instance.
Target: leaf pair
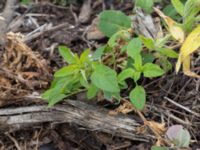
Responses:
[149,69]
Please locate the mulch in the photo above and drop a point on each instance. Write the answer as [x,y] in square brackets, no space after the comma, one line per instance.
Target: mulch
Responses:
[173,99]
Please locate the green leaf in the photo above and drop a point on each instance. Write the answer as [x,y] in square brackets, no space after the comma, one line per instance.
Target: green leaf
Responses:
[58,81]
[133,49]
[67,54]
[171,12]
[85,56]
[122,34]
[138,62]
[160,42]
[136,76]
[147,58]
[110,95]
[83,79]
[148,42]
[123,85]
[53,96]
[105,78]
[92,91]
[152,70]
[25,2]
[192,8]
[99,53]
[138,97]
[167,52]
[107,95]
[146,5]
[67,70]
[159,148]
[178,5]
[166,64]
[112,21]
[125,74]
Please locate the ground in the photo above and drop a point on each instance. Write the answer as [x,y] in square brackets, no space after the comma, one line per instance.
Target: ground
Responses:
[26,71]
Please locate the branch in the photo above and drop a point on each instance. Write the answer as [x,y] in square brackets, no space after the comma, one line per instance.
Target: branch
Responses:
[90,117]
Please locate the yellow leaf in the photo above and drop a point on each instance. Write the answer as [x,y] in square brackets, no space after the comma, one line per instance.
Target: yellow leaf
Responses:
[186,68]
[175,30]
[191,44]
[177,33]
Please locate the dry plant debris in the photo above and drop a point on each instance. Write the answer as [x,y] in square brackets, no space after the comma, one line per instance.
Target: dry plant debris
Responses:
[25,69]
[21,68]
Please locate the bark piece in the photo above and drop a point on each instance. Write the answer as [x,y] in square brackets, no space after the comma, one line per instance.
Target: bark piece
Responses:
[80,113]
[5,19]
[86,11]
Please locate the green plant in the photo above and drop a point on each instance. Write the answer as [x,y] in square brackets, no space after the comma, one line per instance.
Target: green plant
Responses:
[70,79]
[81,74]
[149,70]
[139,57]
[190,27]
[188,12]
[97,73]
[138,62]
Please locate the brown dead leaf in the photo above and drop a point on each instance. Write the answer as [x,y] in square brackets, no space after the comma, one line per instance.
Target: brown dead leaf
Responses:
[159,128]
[125,108]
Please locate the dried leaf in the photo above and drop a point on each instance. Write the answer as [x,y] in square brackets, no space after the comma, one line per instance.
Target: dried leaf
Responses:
[159,128]
[191,44]
[175,30]
[125,108]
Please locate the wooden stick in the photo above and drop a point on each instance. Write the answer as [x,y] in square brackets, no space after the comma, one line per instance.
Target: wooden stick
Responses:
[80,113]
[182,107]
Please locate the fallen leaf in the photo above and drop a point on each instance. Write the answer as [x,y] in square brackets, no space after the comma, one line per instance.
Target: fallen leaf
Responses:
[178,136]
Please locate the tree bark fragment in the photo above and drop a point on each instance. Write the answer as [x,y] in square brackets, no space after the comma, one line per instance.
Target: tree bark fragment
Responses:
[76,112]
[5,19]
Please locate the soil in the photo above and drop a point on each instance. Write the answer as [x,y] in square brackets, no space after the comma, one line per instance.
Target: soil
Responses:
[53,136]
